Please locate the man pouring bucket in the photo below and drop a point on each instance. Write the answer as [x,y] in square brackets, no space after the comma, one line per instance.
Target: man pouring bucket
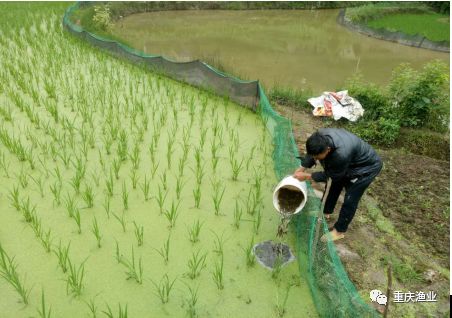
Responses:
[349,162]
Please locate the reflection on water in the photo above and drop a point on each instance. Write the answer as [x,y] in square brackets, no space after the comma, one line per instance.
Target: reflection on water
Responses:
[293,48]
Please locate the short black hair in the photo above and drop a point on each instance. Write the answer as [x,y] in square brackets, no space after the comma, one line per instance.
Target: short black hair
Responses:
[316,144]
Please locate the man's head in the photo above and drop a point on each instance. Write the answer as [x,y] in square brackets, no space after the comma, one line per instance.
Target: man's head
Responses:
[318,146]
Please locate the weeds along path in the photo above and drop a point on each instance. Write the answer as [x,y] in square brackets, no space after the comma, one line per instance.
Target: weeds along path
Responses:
[122,191]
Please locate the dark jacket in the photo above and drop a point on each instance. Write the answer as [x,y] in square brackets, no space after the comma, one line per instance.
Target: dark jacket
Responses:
[350,157]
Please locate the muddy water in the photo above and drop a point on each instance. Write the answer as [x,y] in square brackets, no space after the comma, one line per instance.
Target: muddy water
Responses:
[297,49]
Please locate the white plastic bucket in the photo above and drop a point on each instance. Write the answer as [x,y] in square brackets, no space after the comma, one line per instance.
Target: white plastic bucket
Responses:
[293,184]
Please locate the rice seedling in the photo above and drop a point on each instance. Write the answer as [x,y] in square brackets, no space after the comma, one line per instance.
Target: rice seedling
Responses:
[109,184]
[214,147]
[39,183]
[65,157]
[218,243]
[139,233]
[194,231]
[76,182]
[122,146]
[132,271]
[106,206]
[88,196]
[135,157]
[43,313]
[198,158]
[13,196]
[202,140]
[125,196]
[161,197]
[108,142]
[63,255]
[145,187]
[57,174]
[172,214]
[257,222]
[77,218]
[281,305]
[95,230]
[122,312]
[195,264]
[197,195]
[179,186]
[56,191]
[74,280]
[121,221]
[277,266]
[163,288]
[154,168]
[96,178]
[164,181]
[181,166]
[134,179]
[4,165]
[116,167]
[249,256]
[217,274]
[164,251]
[237,215]
[236,167]
[23,179]
[169,151]
[218,193]
[92,308]
[27,210]
[46,240]
[191,301]
[8,270]
[250,158]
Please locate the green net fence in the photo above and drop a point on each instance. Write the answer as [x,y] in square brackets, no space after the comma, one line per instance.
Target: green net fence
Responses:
[334,294]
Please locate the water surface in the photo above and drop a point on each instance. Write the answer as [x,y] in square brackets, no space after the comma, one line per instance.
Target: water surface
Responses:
[294,48]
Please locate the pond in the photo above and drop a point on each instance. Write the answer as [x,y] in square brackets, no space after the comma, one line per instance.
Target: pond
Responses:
[292,48]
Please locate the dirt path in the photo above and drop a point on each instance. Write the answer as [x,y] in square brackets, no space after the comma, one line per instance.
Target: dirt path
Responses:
[402,220]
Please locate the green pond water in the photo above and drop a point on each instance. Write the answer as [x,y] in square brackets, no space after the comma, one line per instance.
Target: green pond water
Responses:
[66,100]
[291,48]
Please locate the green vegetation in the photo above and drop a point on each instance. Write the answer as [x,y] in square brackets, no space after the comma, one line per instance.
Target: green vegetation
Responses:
[410,18]
[433,26]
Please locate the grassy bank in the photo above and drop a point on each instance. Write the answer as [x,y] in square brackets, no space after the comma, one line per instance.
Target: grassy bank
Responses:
[409,18]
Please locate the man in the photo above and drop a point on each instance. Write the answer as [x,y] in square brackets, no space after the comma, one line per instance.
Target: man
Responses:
[349,162]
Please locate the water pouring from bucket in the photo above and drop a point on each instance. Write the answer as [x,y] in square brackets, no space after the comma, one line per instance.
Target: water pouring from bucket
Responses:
[289,198]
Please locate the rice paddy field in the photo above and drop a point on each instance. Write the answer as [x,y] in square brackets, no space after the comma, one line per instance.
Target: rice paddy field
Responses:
[127,194]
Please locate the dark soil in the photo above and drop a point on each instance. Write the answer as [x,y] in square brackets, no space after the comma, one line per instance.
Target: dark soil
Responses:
[269,254]
[289,200]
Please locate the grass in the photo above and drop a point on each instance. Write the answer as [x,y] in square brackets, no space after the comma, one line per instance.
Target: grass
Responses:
[88,196]
[8,270]
[145,187]
[428,25]
[122,312]
[237,215]
[163,288]
[197,195]
[125,196]
[121,221]
[281,305]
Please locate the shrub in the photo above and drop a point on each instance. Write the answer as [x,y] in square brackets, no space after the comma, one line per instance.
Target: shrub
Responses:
[102,17]
[421,98]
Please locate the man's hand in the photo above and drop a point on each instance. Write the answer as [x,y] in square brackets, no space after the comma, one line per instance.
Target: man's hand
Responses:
[301,169]
[302,176]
